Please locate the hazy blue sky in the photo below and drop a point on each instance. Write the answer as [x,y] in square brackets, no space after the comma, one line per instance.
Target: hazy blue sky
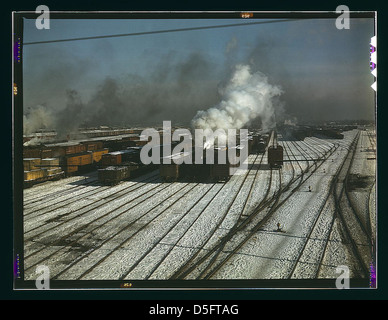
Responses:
[324,72]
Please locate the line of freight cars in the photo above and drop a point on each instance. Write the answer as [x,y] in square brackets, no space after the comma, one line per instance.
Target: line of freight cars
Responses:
[44,135]
[301,132]
[57,161]
[126,164]
[178,169]
[39,170]
[121,165]
[74,157]
[275,151]
[216,171]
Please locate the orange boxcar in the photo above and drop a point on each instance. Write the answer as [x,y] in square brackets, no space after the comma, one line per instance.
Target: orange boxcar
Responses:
[73,162]
[97,155]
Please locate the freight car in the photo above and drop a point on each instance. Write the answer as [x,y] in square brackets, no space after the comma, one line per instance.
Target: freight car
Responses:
[116,144]
[220,172]
[41,175]
[81,162]
[118,157]
[40,170]
[254,141]
[114,174]
[261,146]
[98,154]
[193,171]
[93,145]
[196,171]
[275,156]
[177,168]
[331,134]
[170,172]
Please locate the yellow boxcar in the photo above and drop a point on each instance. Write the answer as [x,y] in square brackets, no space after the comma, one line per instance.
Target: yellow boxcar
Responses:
[53,171]
[35,174]
[31,164]
[74,149]
[73,162]
[86,159]
[97,155]
[50,162]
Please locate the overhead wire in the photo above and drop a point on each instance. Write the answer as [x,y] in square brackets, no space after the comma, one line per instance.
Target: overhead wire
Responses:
[159,31]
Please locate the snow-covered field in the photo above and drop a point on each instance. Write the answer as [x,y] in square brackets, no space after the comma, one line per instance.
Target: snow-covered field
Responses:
[149,229]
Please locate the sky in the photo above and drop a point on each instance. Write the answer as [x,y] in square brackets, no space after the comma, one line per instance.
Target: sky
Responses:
[323,72]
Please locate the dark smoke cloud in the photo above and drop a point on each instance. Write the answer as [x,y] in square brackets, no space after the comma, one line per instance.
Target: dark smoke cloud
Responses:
[73,93]
[174,89]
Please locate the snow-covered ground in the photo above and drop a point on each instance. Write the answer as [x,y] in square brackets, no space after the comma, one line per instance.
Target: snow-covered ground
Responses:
[148,229]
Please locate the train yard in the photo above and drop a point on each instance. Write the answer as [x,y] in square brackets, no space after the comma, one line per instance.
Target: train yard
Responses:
[298,220]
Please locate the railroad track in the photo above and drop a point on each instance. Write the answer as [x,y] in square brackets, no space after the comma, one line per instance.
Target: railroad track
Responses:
[62,202]
[335,194]
[81,228]
[55,216]
[125,237]
[219,222]
[248,223]
[31,198]
[356,233]
[372,139]
[77,232]
[241,216]
[276,203]
[298,261]
[187,227]
[162,234]
[237,226]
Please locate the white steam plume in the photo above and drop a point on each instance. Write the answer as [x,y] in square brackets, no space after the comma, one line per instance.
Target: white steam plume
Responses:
[245,97]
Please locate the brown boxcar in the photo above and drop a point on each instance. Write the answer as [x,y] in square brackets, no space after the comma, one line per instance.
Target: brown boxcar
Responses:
[46,153]
[93,145]
[117,157]
[31,152]
[111,158]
